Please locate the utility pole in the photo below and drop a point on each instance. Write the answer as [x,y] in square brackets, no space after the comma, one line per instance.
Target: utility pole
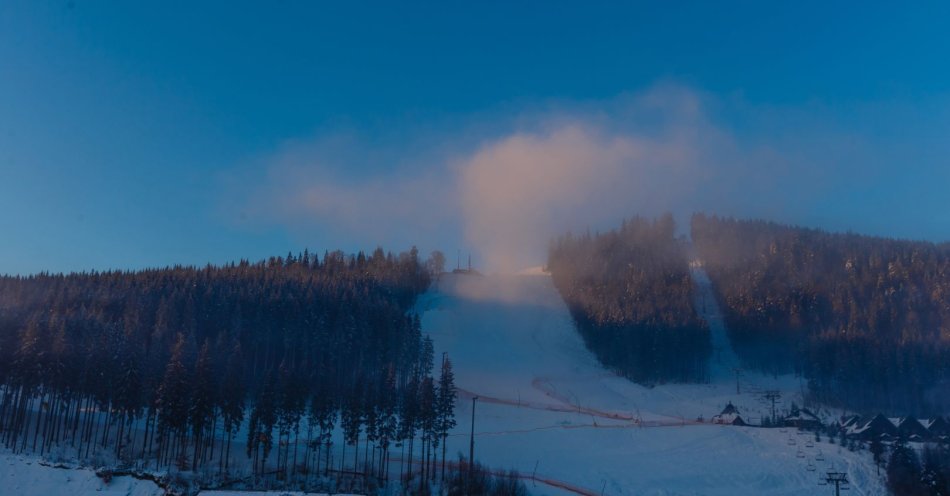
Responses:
[772,395]
[471,448]
[839,479]
[737,370]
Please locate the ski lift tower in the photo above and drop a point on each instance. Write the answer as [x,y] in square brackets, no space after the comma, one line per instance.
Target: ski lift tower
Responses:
[772,395]
[839,479]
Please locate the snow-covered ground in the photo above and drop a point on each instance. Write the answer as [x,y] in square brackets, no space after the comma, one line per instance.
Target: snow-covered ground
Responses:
[26,476]
[547,407]
[261,493]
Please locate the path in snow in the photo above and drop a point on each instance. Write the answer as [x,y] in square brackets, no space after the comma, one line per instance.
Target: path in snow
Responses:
[724,361]
[550,409]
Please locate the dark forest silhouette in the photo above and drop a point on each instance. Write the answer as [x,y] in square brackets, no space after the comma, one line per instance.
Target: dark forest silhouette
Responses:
[865,319]
[631,296]
[167,365]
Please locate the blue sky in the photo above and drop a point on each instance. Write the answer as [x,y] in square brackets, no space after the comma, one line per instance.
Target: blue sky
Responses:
[137,134]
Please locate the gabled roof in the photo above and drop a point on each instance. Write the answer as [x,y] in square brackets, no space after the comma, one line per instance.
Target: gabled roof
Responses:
[729,415]
[851,420]
[877,425]
[729,409]
[935,425]
[910,426]
[728,419]
[803,415]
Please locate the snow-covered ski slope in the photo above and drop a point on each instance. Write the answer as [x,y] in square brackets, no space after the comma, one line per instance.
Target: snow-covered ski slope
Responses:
[547,407]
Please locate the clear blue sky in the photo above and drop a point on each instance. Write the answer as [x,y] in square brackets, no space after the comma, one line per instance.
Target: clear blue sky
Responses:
[121,122]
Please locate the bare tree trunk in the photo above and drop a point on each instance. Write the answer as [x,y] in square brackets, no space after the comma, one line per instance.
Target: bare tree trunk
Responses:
[444,437]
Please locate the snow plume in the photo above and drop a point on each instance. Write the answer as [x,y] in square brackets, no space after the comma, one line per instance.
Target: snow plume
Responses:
[334,193]
[518,191]
[503,187]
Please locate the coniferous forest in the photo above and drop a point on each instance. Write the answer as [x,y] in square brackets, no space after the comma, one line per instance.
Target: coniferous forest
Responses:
[865,319]
[166,367]
[631,296]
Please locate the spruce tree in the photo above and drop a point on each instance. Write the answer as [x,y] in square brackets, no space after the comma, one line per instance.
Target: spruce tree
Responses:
[173,397]
[201,408]
[232,397]
[904,471]
[445,406]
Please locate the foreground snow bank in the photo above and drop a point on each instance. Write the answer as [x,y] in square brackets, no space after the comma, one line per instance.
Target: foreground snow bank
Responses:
[28,476]
[262,493]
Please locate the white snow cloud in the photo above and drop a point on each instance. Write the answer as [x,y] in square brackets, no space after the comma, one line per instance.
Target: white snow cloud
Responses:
[506,191]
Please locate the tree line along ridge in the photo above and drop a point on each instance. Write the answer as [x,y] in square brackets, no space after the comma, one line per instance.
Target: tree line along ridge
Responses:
[169,365]
[866,320]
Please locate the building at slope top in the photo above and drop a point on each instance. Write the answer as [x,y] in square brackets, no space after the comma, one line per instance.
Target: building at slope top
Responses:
[728,416]
[802,418]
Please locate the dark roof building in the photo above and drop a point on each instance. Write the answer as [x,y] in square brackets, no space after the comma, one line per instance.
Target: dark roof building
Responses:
[879,427]
[910,428]
[803,419]
[937,427]
[729,416]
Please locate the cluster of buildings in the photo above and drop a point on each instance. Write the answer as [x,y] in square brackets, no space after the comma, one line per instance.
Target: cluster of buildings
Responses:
[800,418]
[891,428]
[934,429]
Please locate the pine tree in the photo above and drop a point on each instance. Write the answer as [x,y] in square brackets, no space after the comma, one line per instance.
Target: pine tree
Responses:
[935,475]
[409,415]
[128,390]
[351,423]
[445,406]
[202,404]
[174,395]
[232,397]
[877,451]
[388,417]
[262,420]
[904,471]
[427,417]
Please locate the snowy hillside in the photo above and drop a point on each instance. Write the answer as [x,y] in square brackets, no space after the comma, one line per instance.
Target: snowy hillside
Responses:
[546,406]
